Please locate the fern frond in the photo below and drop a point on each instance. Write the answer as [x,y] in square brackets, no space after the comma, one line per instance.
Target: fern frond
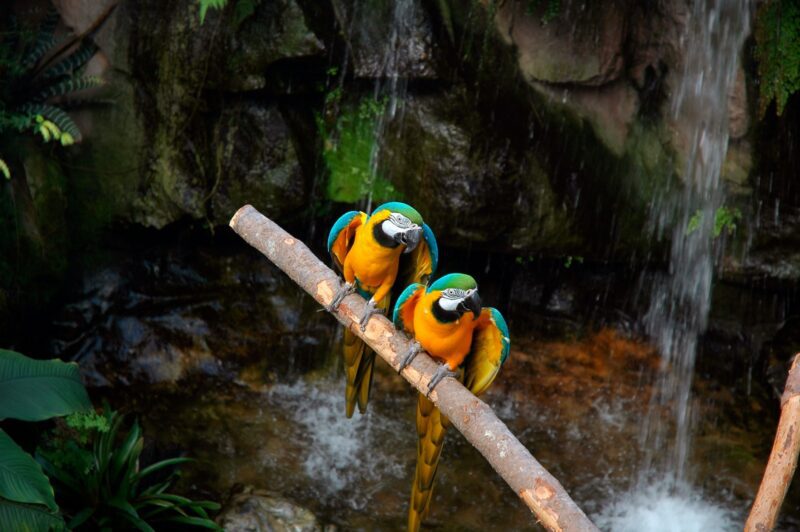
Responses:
[205,4]
[55,115]
[67,86]
[72,62]
[49,130]
[44,40]
[4,169]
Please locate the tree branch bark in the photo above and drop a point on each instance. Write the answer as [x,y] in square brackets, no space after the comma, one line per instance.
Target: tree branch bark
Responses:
[537,488]
[782,460]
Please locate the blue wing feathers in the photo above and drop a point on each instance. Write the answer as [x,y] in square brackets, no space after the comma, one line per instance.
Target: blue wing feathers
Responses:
[427,233]
[500,322]
[398,307]
[343,221]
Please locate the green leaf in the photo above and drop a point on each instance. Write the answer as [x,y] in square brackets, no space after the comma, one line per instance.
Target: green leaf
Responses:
[73,61]
[28,518]
[55,115]
[205,4]
[195,521]
[162,464]
[777,50]
[44,40]
[128,452]
[80,518]
[4,169]
[34,390]
[69,85]
[21,478]
[129,512]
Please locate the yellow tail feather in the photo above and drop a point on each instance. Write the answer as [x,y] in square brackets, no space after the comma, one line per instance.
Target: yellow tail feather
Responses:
[431,428]
[359,361]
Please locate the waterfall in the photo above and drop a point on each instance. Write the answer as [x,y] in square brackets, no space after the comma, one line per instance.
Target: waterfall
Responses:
[662,494]
[680,302]
[391,84]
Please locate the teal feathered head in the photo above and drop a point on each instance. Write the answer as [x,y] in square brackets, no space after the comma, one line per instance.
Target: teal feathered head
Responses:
[460,281]
[459,294]
[402,208]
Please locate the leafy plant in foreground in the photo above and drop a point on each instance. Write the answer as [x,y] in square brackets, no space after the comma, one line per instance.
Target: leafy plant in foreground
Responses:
[94,465]
[32,390]
[34,80]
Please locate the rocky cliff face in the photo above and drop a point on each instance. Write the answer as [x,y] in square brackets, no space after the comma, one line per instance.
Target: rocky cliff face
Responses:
[520,128]
[514,127]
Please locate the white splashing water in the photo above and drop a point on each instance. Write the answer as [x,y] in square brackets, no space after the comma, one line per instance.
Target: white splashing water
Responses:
[656,509]
[340,456]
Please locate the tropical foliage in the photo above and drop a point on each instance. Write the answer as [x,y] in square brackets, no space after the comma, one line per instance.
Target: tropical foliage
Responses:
[32,390]
[94,463]
[349,150]
[777,35]
[242,9]
[35,80]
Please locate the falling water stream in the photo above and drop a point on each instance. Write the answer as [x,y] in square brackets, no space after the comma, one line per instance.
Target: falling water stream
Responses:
[680,301]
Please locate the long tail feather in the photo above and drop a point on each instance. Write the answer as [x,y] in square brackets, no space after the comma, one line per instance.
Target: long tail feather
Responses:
[359,362]
[354,351]
[431,428]
[364,379]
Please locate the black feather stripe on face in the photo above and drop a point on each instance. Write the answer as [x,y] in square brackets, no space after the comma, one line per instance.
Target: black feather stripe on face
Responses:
[443,315]
[382,238]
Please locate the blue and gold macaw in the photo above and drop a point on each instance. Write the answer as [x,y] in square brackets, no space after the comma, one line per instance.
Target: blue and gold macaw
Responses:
[390,248]
[447,320]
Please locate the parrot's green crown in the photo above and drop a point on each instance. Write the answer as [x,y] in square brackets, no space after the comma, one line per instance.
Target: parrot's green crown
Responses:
[454,280]
[403,208]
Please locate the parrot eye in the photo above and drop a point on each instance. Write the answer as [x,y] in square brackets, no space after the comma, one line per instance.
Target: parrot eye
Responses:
[399,220]
[453,293]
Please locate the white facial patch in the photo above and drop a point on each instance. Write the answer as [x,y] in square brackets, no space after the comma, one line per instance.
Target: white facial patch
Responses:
[397,223]
[449,304]
[452,297]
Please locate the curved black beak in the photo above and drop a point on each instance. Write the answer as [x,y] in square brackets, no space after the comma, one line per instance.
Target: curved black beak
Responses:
[410,238]
[472,303]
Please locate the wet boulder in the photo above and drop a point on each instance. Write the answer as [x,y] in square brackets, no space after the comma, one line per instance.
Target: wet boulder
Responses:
[255,510]
[388,38]
[582,43]
[475,185]
[169,313]
[256,163]
[160,151]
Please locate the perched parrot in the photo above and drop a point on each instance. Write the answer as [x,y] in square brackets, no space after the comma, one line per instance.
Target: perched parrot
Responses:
[447,321]
[388,249]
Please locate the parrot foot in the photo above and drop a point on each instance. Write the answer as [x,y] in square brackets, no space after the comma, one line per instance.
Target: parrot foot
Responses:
[443,371]
[369,310]
[342,293]
[412,352]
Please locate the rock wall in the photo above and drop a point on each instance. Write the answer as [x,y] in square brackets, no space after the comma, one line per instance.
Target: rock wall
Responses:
[516,129]
[520,130]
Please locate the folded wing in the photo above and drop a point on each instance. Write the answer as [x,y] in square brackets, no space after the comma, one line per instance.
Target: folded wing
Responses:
[342,236]
[490,347]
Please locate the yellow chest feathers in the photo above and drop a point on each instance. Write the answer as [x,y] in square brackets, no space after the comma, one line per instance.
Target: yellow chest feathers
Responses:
[449,342]
[372,263]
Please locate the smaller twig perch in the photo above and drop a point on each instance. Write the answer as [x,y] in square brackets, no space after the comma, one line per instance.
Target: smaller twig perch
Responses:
[782,460]
[537,488]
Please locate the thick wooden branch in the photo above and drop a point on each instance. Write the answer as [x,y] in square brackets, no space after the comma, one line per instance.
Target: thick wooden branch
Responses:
[537,488]
[782,460]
